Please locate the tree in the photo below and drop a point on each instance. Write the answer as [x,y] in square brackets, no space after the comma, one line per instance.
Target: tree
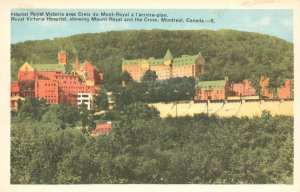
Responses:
[276,80]
[126,77]
[149,76]
[68,68]
[255,83]
[33,108]
[123,97]
[63,115]
[19,104]
[101,100]
[84,117]
[144,148]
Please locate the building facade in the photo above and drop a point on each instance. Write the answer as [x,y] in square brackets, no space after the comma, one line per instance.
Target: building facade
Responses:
[285,91]
[57,83]
[212,90]
[264,83]
[85,98]
[167,67]
[14,89]
[102,128]
[243,89]
[221,90]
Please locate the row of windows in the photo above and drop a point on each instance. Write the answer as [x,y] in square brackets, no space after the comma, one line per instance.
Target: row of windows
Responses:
[48,96]
[51,96]
[163,76]
[51,101]
[84,96]
[84,102]
[133,71]
[74,92]
[50,84]
[205,92]
[249,88]
[66,77]
[28,94]
[244,92]
[70,82]
[182,74]
[183,70]
[14,94]
[76,87]
[105,129]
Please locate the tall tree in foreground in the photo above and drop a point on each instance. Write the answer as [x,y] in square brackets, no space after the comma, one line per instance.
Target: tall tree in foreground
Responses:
[126,77]
[149,76]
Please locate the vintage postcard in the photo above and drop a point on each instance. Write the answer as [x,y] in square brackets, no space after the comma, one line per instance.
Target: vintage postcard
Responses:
[158,97]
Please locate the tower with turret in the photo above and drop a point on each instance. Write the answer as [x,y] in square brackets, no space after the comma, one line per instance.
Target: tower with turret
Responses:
[62,57]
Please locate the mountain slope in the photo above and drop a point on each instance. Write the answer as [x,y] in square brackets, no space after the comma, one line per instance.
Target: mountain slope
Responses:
[236,54]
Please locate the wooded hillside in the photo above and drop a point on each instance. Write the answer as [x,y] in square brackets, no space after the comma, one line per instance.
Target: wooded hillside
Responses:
[236,54]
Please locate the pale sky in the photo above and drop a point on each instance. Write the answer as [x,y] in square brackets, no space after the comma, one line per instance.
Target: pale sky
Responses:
[275,22]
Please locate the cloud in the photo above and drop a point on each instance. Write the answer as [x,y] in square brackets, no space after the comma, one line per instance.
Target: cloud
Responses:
[287,23]
[260,24]
[265,21]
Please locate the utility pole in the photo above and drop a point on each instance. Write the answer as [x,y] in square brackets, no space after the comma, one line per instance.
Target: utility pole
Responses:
[147,97]
[176,109]
[207,99]
[176,102]
[207,106]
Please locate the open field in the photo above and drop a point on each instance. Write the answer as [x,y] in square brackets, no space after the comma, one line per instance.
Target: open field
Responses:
[226,110]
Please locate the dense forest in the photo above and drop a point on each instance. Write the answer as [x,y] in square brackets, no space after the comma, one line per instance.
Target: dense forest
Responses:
[47,147]
[238,55]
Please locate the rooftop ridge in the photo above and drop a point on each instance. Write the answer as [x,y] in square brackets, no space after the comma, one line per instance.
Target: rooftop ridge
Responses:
[178,61]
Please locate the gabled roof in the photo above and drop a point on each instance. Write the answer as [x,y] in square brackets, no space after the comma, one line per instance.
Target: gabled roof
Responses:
[207,85]
[26,67]
[168,56]
[85,63]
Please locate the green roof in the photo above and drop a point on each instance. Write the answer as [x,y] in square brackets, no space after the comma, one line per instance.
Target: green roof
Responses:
[206,85]
[153,61]
[180,61]
[131,62]
[185,60]
[62,51]
[48,67]
[168,55]
[102,121]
